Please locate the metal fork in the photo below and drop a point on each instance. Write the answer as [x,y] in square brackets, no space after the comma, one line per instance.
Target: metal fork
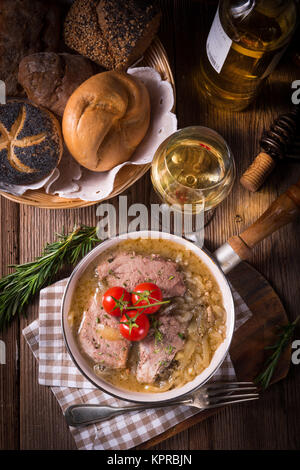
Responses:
[210,396]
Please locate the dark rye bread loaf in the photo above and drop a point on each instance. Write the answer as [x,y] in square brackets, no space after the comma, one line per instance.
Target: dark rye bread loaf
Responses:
[114,34]
[129,28]
[26,26]
[30,143]
[49,79]
[83,34]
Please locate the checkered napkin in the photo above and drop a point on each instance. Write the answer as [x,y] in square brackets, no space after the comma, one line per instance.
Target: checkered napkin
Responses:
[57,370]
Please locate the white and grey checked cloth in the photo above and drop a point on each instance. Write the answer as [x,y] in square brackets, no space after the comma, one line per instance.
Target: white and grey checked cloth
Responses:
[56,369]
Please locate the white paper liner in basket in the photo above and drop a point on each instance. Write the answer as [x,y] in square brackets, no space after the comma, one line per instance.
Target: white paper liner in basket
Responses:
[70,180]
[18,190]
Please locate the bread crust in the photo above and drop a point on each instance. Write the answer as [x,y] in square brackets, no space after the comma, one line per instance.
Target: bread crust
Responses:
[26,26]
[129,28]
[49,79]
[31,144]
[105,119]
[112,33]
[83,34]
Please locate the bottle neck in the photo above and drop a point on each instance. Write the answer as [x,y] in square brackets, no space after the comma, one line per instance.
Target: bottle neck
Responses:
[270,21]
[240,9]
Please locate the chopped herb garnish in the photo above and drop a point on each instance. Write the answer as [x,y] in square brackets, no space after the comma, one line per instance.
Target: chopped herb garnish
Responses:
[112,273]
[157,333]
[163,363]
[97,320]
[181,335]
[158,336]
[169,349]
[171,277]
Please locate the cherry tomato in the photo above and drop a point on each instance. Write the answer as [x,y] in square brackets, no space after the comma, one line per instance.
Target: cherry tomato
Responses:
[116,300]
[145,294]
[134,325]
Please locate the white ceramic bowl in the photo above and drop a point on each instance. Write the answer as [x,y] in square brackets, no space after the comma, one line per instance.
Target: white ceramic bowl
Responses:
[81,362]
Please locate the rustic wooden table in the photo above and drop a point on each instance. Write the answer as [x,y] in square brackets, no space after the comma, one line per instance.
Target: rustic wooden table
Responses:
[30,417]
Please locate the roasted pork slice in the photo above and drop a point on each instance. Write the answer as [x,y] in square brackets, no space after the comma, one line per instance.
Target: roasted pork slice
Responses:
[130,269]
[100,338]
[158,349]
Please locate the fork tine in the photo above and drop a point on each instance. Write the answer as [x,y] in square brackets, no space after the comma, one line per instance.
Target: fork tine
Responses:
[231,397]
[216,405]
[215,392]
[228,384]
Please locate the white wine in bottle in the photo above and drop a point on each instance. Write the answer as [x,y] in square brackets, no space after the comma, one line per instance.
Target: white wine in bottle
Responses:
[244,45]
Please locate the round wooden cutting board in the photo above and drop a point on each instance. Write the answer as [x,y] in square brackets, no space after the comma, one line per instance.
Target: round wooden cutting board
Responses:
[247,349]
[155,57]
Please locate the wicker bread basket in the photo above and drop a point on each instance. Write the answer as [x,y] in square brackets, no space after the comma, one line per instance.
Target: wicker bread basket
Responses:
[155,57]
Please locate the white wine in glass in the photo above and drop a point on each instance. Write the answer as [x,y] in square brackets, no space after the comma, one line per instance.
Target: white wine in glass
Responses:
[193,166]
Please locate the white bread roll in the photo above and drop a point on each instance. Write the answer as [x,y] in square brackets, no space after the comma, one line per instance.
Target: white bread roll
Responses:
[105,119]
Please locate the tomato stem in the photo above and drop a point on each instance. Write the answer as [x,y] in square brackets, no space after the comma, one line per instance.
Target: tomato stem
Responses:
[134,307]
[131,323]
[146,295]
[120,303]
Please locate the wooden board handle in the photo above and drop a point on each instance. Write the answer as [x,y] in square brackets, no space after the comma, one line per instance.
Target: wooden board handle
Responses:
[281,212]
[256,174]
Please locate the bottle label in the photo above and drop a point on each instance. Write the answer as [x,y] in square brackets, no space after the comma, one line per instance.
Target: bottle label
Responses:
[218,44]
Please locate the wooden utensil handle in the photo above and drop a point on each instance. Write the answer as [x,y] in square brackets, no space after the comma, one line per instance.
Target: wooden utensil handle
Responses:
[281,212]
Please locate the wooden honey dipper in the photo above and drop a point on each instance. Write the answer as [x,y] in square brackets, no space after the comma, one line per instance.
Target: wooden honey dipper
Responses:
[275,143]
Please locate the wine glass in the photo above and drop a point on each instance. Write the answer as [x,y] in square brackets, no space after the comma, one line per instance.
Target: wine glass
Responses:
[193,170]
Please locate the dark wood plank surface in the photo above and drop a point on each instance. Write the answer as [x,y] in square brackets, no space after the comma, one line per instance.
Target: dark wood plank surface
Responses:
[29,415]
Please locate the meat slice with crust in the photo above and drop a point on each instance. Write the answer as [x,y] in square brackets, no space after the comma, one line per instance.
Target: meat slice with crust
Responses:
[158,349]
[129,269]
[100,338]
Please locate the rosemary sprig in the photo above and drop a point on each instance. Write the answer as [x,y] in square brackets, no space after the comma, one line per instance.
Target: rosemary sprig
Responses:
[18,288]
[264,378]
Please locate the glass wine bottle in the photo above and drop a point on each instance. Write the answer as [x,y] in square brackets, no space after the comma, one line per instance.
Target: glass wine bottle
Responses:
[245,43]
